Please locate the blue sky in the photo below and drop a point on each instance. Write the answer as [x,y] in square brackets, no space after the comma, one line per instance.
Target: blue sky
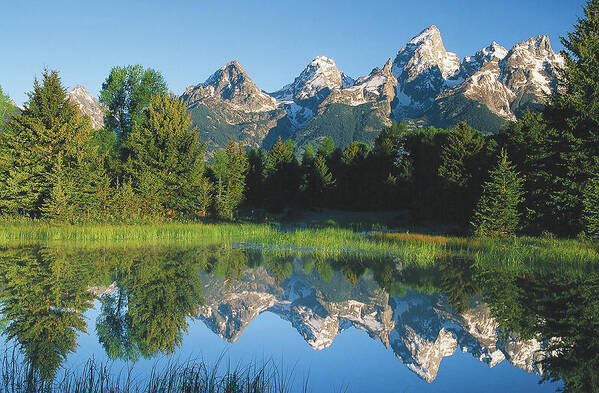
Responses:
[274,40]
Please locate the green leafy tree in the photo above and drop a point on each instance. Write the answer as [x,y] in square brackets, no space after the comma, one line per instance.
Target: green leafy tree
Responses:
[497,211]
[590,212]
[50,129]
[166,164]
[423,186]
[126,93]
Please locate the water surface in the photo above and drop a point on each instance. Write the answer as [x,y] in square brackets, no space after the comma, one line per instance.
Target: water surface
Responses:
[348,321]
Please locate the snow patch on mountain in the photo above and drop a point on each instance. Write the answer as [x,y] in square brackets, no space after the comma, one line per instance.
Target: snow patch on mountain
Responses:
[88,105]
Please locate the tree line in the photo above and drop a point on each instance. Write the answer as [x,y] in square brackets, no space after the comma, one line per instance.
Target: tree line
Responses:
[537,174]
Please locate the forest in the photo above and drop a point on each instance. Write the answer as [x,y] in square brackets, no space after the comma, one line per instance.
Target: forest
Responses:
[537,175]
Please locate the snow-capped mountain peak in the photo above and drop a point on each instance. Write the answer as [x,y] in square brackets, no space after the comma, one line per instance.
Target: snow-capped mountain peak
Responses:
[322,73]
[233,85]
[425,51]
[88,105]
[431,33]
[471,64]
[422,68]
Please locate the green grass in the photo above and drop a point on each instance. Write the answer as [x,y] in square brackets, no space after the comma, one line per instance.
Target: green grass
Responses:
[407,248]
[175,377]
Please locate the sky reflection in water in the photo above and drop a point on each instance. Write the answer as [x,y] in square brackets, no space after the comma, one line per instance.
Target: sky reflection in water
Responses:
[363,322]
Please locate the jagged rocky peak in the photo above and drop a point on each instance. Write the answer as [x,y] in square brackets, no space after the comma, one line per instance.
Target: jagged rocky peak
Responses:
[493,52]
[539,47]
[422,68]
[379,85]
[423,52]
[233,85]
[88,104]
[531,65]
[322,73]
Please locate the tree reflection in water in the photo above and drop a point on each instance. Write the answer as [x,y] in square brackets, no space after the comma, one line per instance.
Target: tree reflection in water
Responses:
[44,292]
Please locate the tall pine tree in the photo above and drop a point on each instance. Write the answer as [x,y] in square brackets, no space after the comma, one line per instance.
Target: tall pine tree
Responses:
[49,135]
[166,165]
[497,211]
[572,117]
[230,168]
[282,176]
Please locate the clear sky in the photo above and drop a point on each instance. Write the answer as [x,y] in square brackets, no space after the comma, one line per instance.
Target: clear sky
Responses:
[274,40]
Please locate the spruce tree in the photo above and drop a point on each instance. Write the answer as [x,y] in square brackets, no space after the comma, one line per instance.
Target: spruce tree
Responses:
[230,168]
[166,165]
[282,176]
[572,116]
[327,146]
[317,182]
[49,134]
[497,212]
[590,212]
[254,181]
[460,171]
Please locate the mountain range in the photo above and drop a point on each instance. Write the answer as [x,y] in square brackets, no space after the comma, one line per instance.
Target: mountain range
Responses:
[421,329]
[422,85]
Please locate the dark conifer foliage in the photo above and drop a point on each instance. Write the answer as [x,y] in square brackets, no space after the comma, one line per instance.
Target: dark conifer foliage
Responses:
[590,212]
[497,212]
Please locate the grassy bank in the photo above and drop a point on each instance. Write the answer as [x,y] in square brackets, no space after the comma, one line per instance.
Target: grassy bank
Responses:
[192,377]
[408,248]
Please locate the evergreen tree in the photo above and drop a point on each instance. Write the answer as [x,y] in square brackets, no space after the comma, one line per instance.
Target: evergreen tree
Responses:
[254,183]
[572,117]
[497,211]
[282,176]
[58,206]
[317,182]
[353,177]
[387,155]
[308,156]
[230,168]
[166,165]
[423,188]
[529,147]
[461,170]
[590,212]
[327,146]
[49,130]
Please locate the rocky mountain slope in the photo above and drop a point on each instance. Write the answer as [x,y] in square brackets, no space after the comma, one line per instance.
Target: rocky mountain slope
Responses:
[424,84]
[88,104]
[420,329]
[228,103]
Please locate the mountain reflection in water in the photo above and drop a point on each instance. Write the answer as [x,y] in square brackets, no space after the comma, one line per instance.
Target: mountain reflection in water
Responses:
[545,323]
